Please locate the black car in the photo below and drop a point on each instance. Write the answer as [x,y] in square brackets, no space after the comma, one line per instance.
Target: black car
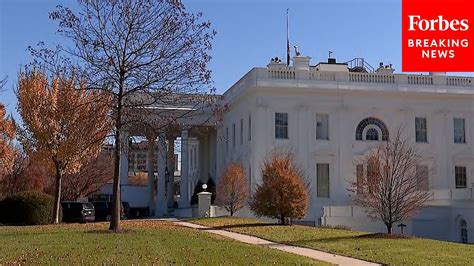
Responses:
[103,210]
[74,211]
[126,210]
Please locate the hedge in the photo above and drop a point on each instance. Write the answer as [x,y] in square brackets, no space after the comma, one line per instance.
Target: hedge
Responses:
[27,208]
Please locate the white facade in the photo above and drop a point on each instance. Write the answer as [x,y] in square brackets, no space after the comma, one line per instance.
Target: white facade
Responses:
[340,100]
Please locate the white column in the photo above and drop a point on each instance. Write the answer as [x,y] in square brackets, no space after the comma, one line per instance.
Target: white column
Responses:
[161,203]
[213,153]
[151,173]
[183,187]
[203,159]
[123,171]
[170,163]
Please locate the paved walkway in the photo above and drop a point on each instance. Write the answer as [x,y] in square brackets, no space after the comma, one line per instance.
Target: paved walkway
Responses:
[310,253]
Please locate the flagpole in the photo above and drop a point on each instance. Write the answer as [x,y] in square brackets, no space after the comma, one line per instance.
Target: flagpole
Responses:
[287,37]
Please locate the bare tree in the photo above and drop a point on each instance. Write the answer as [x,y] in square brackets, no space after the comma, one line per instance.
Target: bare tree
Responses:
[145,53]
[391,187]
[232,191]
[3,82]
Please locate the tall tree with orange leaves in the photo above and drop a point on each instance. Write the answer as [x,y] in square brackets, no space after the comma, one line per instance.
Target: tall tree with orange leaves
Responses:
[7,133]
[65,124]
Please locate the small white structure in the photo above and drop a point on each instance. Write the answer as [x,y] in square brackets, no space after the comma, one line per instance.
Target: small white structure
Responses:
[204,204]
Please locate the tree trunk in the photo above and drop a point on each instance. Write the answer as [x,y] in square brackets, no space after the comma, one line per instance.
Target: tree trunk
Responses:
[57,196]
[231,212]
[282,219]
[389,228]
[115,219]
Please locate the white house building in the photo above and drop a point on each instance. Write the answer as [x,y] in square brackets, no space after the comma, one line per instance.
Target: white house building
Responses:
[330,115]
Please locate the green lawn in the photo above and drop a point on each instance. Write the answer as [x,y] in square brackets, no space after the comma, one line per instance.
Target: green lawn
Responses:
[143,242]
[400,251]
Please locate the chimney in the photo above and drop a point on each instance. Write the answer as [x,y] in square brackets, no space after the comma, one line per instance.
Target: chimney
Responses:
[331,60]
[301,62]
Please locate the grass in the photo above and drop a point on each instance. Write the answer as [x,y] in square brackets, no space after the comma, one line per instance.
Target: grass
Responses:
[371,247]
[142,242]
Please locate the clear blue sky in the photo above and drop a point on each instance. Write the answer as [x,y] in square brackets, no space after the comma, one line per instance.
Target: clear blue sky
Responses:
[249,33]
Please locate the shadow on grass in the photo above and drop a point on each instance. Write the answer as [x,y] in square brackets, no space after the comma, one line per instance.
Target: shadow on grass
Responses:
[247,225]
[384,236]
[109,232]
[30,233]
[347,238]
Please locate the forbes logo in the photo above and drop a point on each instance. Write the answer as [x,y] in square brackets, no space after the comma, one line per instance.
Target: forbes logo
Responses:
[438,24]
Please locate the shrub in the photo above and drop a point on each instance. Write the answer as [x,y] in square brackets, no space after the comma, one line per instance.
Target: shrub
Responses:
[27,208]
[211,187]
[283,194]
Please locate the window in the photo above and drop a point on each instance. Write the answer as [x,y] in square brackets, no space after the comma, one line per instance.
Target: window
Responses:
[422,177]
[281,125]
[376,124]
[373,174]
[233,135]
[463,231]
[459,130]
[322,182]
[460,176]
[241,131]
[176,162]
[322,126]
[226,138]
[360,178]
[372,134]
[421,131]
[250,128]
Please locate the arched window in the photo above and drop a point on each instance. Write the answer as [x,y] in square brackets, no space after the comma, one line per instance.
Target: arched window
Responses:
[373,128]
[463,231]
[372,134]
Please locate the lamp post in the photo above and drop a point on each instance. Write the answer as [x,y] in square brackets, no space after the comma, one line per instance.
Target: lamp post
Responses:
[402,226]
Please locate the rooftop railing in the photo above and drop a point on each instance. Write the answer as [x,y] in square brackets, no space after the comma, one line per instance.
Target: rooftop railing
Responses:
[381,78]
[402,82]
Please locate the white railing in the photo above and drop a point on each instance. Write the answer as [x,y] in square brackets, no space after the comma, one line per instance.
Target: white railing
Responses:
[420,80]
[437,194]
[375,78]
[324,76]
[371,78]
[459,81]
[282,74]
[453,194]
